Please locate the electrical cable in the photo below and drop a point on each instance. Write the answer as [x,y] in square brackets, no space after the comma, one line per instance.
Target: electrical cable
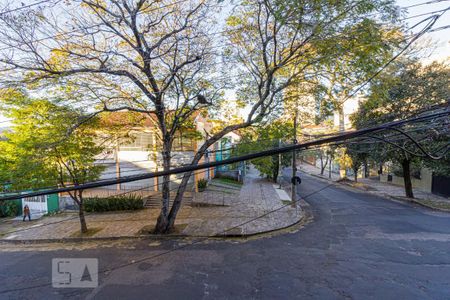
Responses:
[343,136]
[180,247]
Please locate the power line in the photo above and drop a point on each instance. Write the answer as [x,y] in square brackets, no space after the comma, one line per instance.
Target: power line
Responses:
[109,196]
[425,3]
[138,172]
[26,6]
[414,37]
[101,24]
[439,28]
[59,35]
[218,234]
[341,137]
[424,14]
[433,20]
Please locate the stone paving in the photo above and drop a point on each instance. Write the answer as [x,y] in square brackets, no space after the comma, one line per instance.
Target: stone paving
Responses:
[253,209]
[374,186]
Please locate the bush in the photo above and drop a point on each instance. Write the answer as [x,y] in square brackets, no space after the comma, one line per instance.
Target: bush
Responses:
[202,184]
[9,209]
[124,202]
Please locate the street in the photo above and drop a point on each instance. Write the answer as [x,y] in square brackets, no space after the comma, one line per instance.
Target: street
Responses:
[358,246]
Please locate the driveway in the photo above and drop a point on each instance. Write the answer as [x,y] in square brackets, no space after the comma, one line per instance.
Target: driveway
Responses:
[358,246]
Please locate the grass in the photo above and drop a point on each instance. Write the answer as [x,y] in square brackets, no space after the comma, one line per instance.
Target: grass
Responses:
[435,204]
[228,181]
[89,233]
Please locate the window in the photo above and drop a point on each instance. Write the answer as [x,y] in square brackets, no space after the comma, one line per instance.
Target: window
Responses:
[142,141]
[35,199]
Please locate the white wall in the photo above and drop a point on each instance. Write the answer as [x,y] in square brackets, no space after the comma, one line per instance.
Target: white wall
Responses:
[350,107]
[140,162]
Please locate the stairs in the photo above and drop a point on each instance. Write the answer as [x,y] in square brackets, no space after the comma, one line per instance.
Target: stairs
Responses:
[154,201]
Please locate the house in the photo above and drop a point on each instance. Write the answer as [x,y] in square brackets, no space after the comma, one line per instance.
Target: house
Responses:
[140,152]
[222,151]
[41,205]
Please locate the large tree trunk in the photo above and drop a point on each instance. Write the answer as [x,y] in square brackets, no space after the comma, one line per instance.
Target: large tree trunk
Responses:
[322,165]
[84,228]
[166,220]
[163,218]
[165,224]
[407,178]
[355,171]
[177,202]
[83,225]
[366,169]
[77,197]
[275,175]
[276,168]
[330,166]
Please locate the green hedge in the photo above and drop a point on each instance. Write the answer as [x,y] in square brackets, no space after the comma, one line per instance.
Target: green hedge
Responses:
[125,202]
[9,208]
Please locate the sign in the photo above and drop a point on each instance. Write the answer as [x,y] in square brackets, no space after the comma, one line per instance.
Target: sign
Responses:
[74,272]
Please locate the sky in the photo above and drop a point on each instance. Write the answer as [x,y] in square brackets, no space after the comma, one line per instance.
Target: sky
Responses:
[441,38]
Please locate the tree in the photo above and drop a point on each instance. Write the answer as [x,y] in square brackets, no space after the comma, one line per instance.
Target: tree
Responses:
[358,157]
[159,58]
[407,89]
[266,137]
[41,154]
[370,47]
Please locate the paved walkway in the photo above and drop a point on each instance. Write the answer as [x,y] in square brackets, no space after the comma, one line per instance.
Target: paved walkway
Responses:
[310,169]
[359,246]
[374,186]
[244,213]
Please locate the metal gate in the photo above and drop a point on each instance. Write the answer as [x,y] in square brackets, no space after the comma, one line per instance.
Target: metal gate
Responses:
[441,185]
[38,203]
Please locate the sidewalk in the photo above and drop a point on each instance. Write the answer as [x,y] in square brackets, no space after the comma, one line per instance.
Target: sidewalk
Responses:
[312,170]
[374,186]
[241,212]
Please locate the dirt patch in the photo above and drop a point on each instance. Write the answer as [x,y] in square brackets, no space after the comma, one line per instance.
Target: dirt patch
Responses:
[150,230]
[357,185]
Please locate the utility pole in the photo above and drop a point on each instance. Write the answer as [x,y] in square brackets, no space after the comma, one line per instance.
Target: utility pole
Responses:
[116,156]
[155,159]
[294,165]
[280,170]
[329,166]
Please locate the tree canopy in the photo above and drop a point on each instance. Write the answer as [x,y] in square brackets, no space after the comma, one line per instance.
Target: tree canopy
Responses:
[172,58]
[408,89]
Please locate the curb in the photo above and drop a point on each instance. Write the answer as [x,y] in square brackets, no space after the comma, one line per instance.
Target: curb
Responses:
[418,203]
[398,199]
[303,220]
[386,196]
[89,239]
[321,177]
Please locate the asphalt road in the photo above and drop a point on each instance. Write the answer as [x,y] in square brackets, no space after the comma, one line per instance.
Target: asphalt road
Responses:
[358,246]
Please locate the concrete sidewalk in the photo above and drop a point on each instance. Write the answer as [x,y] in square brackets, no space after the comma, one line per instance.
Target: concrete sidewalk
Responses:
[374,186]
[313,170]
[254,208]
